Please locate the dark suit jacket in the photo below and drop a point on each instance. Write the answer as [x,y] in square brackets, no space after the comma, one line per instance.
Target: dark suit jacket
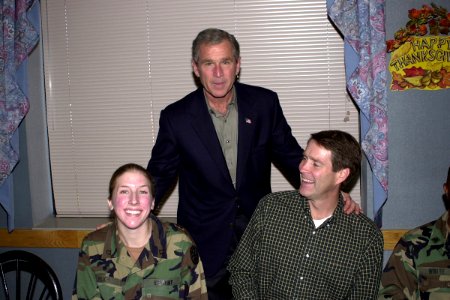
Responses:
[187,146]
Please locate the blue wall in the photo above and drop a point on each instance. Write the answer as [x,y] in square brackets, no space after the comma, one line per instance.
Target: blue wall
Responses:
[419,142]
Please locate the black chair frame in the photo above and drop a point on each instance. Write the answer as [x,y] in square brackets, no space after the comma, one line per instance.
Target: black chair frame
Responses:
[21,262]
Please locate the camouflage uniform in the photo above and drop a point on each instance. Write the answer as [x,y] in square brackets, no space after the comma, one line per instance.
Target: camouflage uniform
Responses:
[419,266]
[168,267]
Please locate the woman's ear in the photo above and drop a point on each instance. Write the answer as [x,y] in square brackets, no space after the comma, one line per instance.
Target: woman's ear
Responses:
[110,205]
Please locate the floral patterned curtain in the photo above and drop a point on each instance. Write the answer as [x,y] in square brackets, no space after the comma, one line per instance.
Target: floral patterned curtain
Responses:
[362,24]
[17,40]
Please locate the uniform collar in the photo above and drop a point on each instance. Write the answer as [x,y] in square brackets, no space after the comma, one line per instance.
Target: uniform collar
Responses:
[153,250]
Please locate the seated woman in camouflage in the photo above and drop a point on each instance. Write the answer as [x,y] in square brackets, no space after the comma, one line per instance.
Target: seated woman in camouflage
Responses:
[137,256]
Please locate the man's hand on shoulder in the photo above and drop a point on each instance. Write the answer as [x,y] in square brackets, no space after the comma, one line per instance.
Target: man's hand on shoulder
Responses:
[102,225]
[351,206]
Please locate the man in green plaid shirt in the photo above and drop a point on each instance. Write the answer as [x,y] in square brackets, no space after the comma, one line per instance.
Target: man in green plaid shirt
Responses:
[300,244]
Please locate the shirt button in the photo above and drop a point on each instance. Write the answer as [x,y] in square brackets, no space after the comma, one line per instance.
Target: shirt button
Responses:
[314,232]
[301,278]
[307,255]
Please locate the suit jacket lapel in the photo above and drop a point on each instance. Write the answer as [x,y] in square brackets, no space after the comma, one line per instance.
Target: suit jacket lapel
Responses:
[246,126]
[204,127]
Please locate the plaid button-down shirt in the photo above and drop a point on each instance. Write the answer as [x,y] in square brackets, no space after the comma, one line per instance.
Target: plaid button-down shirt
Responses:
[283,256]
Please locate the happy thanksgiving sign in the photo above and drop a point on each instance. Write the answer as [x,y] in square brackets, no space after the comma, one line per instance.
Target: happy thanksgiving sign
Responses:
[420,56]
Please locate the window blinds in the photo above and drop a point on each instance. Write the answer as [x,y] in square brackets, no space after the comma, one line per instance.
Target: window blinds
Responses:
[111,66]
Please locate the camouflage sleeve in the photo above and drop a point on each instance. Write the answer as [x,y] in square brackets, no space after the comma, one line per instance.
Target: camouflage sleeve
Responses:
[191,269]
[197,285]
[242,265]
[399,279]
[86,283]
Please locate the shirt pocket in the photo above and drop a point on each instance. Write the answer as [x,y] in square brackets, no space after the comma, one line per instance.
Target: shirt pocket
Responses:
[109,287]
[435,281]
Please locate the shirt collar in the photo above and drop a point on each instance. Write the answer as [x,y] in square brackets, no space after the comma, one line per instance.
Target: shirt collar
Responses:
[233,103]
[442,225]
[337,214]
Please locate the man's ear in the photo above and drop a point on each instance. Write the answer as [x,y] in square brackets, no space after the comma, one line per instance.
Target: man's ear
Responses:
[195,68]
[238,66]
[342,175]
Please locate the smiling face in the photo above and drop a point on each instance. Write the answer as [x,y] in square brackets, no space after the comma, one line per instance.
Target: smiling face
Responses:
[318,180]
[217,69]
[131,200]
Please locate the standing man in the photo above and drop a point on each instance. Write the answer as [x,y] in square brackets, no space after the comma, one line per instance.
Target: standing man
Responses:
[419,266]
[300,244]
[220,141]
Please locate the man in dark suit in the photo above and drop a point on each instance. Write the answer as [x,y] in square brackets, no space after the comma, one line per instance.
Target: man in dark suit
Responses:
[220,141]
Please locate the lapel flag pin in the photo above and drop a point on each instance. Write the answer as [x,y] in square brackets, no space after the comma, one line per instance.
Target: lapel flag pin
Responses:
[248,121]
